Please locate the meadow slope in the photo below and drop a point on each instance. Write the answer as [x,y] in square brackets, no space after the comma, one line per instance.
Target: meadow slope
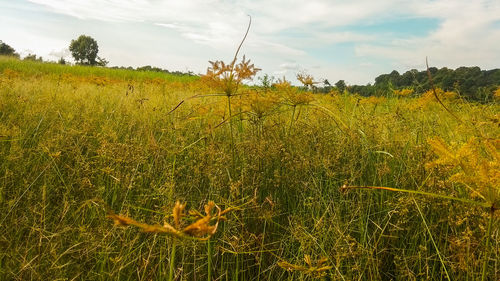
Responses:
[78,142]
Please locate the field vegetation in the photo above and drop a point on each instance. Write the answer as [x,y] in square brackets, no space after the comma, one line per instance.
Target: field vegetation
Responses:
[281,183]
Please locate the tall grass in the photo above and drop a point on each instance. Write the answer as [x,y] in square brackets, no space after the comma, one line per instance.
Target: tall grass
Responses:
[54,69]
[75,141]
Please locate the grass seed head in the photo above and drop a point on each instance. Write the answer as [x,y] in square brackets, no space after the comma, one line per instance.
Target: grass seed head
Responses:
[201,229]
[316,269]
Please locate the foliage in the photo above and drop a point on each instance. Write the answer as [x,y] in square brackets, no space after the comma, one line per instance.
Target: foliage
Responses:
[266,81]
[341,86]
[497,94]
[32,57]
[82,73]
[84,50]
[475,165]
[470,83]
[102,61]
[157,69]
[293,96]
[403,92]
[6,50]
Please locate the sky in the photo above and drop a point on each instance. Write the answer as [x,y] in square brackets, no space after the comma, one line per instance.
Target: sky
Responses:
[352,40]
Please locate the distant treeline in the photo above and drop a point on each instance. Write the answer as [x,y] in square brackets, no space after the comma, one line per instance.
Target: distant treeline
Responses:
[6,50]
[155,69]
[471,83]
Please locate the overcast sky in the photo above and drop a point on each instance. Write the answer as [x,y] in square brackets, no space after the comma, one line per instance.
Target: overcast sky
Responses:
[354,40]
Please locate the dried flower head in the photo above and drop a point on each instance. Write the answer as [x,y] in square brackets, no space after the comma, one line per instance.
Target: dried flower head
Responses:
[307,80]
[316,269]
[228,77]
[201,229]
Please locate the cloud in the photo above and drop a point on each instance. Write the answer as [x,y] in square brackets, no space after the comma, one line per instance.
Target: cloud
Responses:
[63,53]
[26,52]
[466,32]
[211,21]
[467,35]
[175,26]
[289,66]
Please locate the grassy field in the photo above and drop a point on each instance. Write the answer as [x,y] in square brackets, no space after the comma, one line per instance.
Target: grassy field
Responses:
[79,143]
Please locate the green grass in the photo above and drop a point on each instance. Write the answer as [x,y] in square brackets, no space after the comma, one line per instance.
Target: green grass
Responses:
[31,68]
[71,145]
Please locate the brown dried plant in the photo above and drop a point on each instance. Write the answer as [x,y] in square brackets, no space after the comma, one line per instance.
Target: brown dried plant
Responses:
[307,80]
[228,77]
[225,78]
[201,229]
[315,269]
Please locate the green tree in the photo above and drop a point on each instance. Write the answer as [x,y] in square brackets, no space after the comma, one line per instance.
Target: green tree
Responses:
[7,50]
[340,85]
[102,61]
[33,57]
[84,50]
[267,81]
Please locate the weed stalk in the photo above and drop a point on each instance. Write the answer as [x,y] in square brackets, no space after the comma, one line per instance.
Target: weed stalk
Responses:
[209,259]
[171,268]
[487,254]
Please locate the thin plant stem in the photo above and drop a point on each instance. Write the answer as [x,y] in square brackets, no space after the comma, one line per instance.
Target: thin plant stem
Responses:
[291,120]
[172,261]
[435,93]
[209,260]
[487,254]
[237,273]
[241,44]
[432,239]
[261,248]
[231,128]
[472,202]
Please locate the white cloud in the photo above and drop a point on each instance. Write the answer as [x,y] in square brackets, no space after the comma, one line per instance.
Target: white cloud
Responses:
[467,35]
[63,53]
[215,21]
[175,26]
[289,66]
[468,31]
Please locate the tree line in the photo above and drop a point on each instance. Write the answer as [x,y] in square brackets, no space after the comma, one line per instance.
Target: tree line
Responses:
[471,83]
[84,51]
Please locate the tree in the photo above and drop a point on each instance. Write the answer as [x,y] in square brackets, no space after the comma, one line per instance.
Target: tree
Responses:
[84,50]
[102,62]
[340,85]
[267,81]
[33,57]
[7,50]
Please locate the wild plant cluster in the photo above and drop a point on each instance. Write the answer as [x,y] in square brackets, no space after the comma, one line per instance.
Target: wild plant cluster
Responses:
[212,179]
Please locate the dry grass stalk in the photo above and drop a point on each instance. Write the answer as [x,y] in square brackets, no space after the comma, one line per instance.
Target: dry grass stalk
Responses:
[201,229]
[316,269]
